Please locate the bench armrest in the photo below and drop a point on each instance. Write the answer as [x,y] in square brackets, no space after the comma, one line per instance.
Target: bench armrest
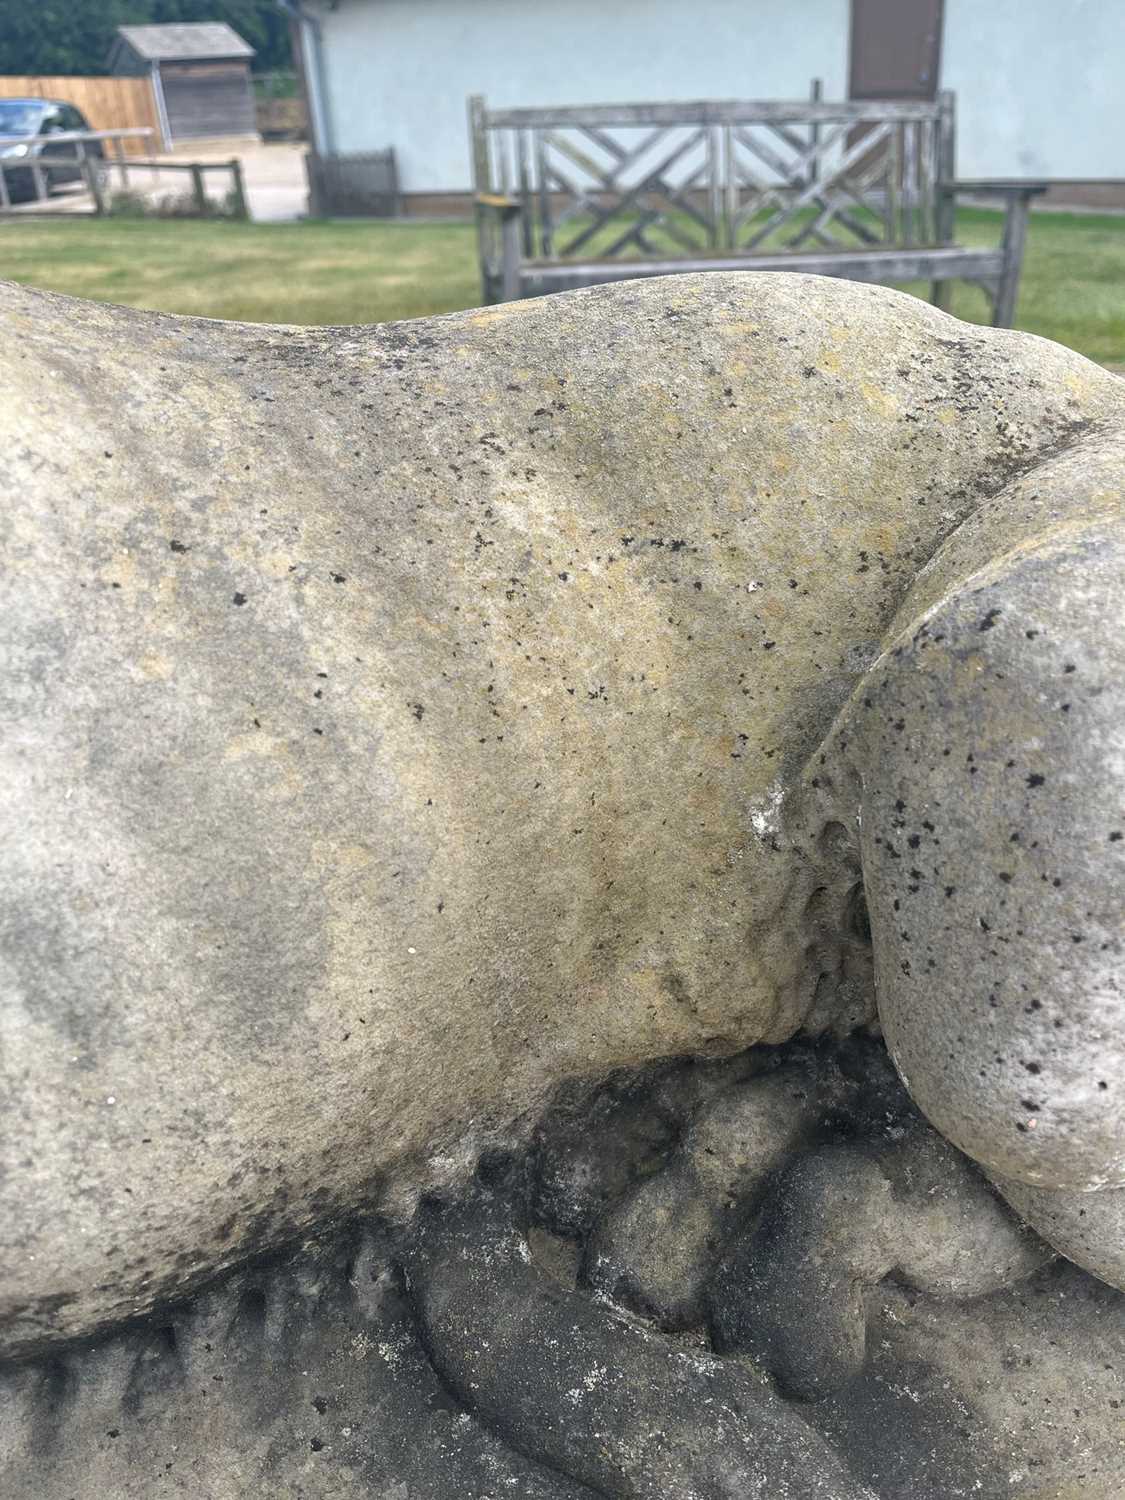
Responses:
[998,187]
[499,202]
[1017,193]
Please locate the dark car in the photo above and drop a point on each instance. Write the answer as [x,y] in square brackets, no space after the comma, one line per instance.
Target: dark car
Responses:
[37,120]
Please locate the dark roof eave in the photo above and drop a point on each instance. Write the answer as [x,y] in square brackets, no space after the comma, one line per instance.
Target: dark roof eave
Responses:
[195,57]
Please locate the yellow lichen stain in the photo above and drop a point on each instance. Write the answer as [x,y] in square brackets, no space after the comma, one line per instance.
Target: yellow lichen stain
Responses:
[254,742]
[120,570]
[1077,385]
[830,361]
[258,744]
[740,327]
[167,592]
[882,401]
[969,668]
[946,415]
[343,858]
[884,538]
[155,666]
[275,564]
[502,312]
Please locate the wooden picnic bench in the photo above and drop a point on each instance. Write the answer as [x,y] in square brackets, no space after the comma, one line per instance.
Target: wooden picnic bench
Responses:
[866,190]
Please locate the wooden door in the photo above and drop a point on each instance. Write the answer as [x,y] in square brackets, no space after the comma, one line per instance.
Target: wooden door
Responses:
[895,49]
[208,99]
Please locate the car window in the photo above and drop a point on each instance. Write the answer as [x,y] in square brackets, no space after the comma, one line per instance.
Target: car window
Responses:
[73,118]
[52,122]
[19,116]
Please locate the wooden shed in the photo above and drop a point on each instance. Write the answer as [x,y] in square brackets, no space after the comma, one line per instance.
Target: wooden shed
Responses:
[200,74]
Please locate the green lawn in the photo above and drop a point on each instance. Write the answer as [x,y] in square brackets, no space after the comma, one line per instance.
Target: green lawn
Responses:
[1073,285]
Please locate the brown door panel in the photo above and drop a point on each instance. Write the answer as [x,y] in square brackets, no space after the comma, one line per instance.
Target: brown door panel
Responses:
[895,49]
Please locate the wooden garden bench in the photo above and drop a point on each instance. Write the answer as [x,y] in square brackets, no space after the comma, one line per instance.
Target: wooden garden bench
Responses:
[567,197]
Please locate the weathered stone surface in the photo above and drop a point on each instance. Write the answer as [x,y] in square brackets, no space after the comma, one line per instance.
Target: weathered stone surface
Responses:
[888,1198]
[1089,1228]
[593,1394]
[655,1247]
[398,720]
[991,741]
[300,1381]
[306,1376]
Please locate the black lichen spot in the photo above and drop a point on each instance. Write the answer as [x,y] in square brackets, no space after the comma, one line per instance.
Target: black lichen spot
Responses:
[338,578]
[1033,1068]
[1035,779]
[320,1405]
[239,599]
[315,1444]
[417,710]
[990,619]
[1115,836]
[177,546]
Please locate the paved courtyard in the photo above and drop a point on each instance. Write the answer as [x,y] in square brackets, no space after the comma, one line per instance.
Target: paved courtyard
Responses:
[273,174]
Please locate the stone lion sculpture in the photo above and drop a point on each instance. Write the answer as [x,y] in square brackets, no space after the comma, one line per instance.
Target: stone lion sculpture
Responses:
[402,721]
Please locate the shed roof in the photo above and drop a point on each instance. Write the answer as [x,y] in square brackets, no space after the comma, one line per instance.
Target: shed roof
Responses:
[185,41]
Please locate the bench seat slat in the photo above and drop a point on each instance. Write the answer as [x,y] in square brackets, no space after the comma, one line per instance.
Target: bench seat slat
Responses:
[939,263]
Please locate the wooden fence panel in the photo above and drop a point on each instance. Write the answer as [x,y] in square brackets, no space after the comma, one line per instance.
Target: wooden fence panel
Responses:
[107,103]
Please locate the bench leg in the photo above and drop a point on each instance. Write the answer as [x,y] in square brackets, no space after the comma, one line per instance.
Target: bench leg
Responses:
[941,294]
[510,237]
[1007,288]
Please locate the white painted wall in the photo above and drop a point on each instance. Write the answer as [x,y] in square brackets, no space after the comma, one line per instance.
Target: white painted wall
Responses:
[1040,83]
[398,72]
[1040,87]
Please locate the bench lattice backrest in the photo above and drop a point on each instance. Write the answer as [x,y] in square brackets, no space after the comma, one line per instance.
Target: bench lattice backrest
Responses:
[635,180]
